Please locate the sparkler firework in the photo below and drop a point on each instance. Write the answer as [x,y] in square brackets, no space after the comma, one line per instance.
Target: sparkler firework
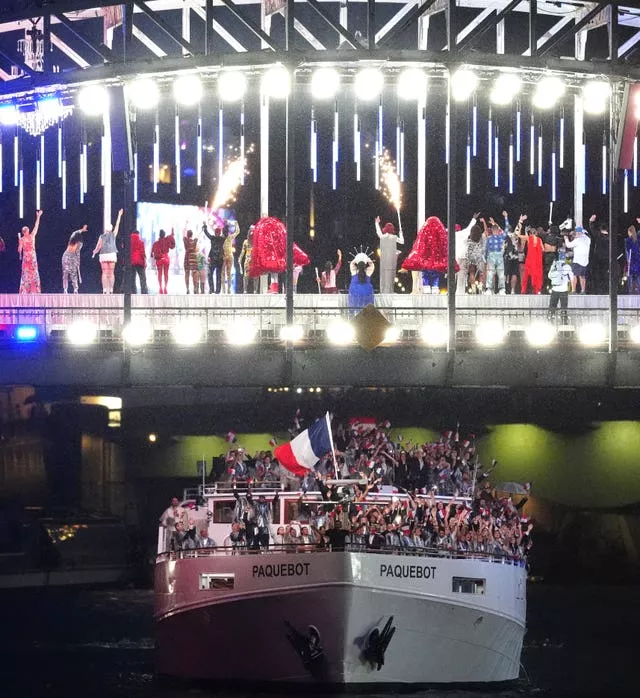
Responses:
[229,184]
[390,182]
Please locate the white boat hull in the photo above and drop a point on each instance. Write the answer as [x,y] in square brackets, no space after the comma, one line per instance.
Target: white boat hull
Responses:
[260,630]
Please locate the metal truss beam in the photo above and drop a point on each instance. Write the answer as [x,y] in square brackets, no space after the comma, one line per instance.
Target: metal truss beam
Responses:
[217,27]
[102,51]
[159,22]
[249,24]
[149,43]
[629,46]
[21,64]
[401,14]
[68,51]
[336,26]
[413,16]
[483,22]
[568,31]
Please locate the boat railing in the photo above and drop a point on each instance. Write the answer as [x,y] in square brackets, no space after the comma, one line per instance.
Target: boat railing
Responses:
[312,548]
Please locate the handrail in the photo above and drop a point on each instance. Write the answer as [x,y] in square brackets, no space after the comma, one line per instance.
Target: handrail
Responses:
[307,548]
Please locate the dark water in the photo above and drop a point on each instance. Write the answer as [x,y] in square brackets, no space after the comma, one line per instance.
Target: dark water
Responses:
[68,644]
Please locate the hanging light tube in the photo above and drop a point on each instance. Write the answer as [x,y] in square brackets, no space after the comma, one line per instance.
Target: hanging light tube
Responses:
[377,166]
[1,162]
[584,168]
[86,166]
[356,144]
[474,127]
[402,152]
[496,161]
[178,154]
[539,157]
[38,169]
[59,150]
[380,128]
[604,164]
[156,155]
[314,148]
[490,141]
[63,167]
[16,161]
[335,148]
[468,165]
[135,176]
[446,138]
[102,159]
[41,160]
[518,133]
[635,161]
[220,143]
[626,192]
[511,164]
[561,151]
[553,174]
[199,147]
[242,144]
[532,148]
[21,192]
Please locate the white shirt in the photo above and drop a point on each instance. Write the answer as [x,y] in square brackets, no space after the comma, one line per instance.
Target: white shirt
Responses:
[461,240]
[580,245]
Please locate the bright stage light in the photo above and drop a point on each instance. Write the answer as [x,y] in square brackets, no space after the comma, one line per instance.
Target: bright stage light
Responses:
[463,84]
[391,336]
[241,333]
[634,334]
[8,115]
[291,333]
[276,82]
[153,438]
[26,333]
[412,83]
[505,88]
[489,334]
[50,107]
[187,333]
[595,95]
[144,93]
[592,334]
[81,333]
[137,334]
[434,334]
[368,84]
[340,332]
[93,100]
[187,90]
[548,92]
[325,83]
[540,334]
[232,85]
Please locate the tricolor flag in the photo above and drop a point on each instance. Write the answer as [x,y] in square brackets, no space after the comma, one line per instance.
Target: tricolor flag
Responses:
[362,424]
[300,455]
[231,437]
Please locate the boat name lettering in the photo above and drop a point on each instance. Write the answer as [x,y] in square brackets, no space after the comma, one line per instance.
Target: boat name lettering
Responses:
[285,569]
[408,571]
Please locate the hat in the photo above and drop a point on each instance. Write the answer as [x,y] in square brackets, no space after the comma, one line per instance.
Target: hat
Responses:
[389,229]
[579,229]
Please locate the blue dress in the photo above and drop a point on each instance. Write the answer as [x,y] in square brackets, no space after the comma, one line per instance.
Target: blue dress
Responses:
[360,292]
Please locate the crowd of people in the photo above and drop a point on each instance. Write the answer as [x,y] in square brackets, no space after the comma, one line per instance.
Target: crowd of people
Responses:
[490,257]
[378,493]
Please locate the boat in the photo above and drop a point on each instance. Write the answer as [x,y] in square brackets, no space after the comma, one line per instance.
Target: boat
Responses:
[354,616]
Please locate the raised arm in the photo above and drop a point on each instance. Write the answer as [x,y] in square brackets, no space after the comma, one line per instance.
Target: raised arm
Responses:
[400,239]
[378,229]
[36,225]
[98,246]
[116,227]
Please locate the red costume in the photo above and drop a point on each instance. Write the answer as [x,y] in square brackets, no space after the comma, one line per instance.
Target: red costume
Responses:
[160,253]
[269,252]
[138,255]
[533,264]
[429,251]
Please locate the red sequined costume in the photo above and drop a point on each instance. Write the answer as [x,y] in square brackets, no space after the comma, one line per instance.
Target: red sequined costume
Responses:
[269,252]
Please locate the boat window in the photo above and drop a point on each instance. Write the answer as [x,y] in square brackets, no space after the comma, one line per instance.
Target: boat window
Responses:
[223,511]
[467,585]
[216,582]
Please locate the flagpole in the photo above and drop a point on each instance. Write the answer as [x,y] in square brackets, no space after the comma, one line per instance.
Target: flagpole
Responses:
[333,448]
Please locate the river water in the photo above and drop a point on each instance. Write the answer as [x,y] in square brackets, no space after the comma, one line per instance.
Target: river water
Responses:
[85,644]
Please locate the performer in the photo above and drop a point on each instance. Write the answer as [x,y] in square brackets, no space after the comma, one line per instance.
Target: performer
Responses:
[328,279]
[533,259]
[244,262]
[160,253]
[632,250]
[30,278]
[216,256]
[138,263]
[361,288]
[228,250]
[106,248]
[462,236]
[429,254]
[190,260]
[203,268]
[388,254]
[71,261]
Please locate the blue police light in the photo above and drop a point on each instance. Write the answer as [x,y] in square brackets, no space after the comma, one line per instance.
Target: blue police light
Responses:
[27,333]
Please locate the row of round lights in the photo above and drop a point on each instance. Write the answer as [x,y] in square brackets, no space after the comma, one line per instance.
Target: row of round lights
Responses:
[325,83]
[342,333]
[548,90]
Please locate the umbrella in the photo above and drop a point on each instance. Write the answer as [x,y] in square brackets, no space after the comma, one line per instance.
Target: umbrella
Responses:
[512,488]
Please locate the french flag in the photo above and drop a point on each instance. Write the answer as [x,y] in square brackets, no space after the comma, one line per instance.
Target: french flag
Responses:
[300,455]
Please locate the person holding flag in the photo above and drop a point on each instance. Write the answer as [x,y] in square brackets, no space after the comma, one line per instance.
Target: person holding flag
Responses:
[300,455]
